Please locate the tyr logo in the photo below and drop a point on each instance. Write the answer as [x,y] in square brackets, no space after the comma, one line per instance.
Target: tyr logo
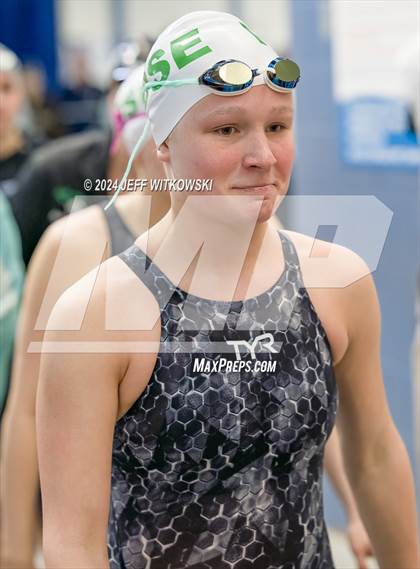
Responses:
[266,340]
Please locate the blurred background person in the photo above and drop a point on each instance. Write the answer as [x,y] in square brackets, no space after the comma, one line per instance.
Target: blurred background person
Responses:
[78,104]
[70,248]
[43,119]
[81,103]
[11,281]
[15,144]
[57,172]
[125,56]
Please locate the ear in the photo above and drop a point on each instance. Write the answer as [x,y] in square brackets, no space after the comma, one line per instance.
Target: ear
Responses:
[163,152]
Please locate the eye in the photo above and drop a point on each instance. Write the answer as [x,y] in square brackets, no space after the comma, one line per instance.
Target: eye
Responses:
[225,130]
[276,127]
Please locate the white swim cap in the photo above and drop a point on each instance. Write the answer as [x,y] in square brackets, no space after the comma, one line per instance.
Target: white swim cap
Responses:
[185,50]
[9,61]
[129,113]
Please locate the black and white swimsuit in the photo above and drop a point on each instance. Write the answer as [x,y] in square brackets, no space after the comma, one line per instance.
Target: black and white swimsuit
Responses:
[218,464]
[120,235]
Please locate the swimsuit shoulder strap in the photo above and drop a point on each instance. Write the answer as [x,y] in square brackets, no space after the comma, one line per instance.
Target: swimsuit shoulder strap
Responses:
[121,236]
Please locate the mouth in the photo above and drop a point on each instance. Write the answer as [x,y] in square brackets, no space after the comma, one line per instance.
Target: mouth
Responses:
[256,189]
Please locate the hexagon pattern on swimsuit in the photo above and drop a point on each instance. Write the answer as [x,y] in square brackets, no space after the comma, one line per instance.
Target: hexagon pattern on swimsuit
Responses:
[224,470]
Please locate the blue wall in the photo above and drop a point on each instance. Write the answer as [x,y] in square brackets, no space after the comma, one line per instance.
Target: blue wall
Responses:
[320,171]
[28,28]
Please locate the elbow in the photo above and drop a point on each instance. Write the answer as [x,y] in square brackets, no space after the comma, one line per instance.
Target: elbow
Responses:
[373,458]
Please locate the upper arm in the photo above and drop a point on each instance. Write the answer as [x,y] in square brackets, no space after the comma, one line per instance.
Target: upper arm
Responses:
[45,282]
[25,365]
[77,406]
[364,416]
[36,282]
[80,394]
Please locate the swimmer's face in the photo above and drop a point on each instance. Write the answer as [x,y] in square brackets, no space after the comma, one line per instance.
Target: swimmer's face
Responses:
[11,98]
[244,143]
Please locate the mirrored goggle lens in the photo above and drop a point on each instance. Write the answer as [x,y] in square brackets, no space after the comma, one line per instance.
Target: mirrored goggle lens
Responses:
[233,73]
[283,72]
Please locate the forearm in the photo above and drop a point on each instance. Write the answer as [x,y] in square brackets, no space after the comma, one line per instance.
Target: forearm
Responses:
[19,487]
[384,489]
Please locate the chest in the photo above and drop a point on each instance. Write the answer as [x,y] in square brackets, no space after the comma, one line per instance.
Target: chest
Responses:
[273,334]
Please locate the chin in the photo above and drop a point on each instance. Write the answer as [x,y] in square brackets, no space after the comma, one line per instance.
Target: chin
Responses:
[255,212]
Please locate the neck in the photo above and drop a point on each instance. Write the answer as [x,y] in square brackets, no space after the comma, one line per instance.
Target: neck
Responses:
[210,255]
[140,212]
[239,235]
[11,142]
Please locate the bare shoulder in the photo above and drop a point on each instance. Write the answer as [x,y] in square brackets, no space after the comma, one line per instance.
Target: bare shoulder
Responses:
[341,288]
[77,237]
[326,264]
[111,298]
[69,248]
[81,224]
[112,319]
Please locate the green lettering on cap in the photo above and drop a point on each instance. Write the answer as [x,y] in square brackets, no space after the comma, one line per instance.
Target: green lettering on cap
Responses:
[251,32]
[179,47]
[145,93]
[161,67]
[129,107]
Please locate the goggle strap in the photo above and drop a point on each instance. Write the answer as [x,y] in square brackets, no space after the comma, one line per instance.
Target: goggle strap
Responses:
[139,144]
[170,83]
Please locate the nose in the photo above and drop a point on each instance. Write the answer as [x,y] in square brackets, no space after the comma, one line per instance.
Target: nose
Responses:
[258,153]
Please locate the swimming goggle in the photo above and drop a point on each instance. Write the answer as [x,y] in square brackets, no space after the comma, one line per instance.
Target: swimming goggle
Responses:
[232,77]
[226,77]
